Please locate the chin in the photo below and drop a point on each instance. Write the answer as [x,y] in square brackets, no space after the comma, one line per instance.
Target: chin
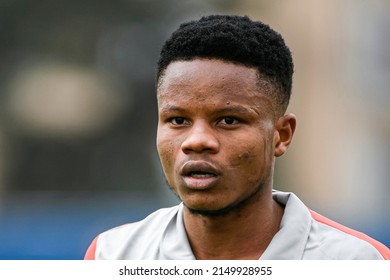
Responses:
[208,212]
[213,209]
[210,209]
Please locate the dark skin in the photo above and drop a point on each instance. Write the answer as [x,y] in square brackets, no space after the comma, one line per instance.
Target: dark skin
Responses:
[218,136]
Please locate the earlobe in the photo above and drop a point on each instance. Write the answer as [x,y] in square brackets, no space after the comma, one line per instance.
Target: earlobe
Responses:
[284,131]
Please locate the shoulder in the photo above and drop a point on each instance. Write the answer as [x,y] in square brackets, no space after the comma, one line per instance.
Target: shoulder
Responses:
[115,243]
[309,235]
[331,240]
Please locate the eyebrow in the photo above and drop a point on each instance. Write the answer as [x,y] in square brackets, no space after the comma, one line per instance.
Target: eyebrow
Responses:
[225,110]
[172,108]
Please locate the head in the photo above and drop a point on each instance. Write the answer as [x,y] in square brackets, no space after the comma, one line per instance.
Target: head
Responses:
[238,40]
[223,86]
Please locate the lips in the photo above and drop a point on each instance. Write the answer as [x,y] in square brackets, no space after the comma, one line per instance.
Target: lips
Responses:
[199,174]
[193,168]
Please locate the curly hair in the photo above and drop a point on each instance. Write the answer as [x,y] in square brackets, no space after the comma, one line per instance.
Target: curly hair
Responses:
[235,39]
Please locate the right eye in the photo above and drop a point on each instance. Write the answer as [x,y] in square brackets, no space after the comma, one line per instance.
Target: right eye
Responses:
[178,121]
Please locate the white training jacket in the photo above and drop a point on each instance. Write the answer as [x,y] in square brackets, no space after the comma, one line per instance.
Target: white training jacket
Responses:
[303,235]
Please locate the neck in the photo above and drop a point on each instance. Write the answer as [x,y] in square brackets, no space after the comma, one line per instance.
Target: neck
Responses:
[240,234]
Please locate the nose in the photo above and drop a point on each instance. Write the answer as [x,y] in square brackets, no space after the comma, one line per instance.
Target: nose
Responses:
[201,138]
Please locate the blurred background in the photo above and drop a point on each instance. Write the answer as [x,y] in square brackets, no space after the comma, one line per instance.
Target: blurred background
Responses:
[78,114]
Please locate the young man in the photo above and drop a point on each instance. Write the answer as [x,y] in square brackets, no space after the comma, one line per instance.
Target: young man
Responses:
[223,86]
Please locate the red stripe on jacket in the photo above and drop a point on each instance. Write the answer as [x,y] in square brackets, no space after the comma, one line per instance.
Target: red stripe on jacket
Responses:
[90,254]
[383,250]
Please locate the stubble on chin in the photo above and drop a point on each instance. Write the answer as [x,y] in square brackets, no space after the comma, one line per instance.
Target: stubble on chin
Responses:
[234,207]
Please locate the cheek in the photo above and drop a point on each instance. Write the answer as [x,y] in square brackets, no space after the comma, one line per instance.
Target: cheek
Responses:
[246,164]
[248,151]
[252,161]
[245,157]
[168,148]
[246,169]
[165,151]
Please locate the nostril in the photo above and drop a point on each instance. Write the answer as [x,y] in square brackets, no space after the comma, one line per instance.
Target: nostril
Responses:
[200,143]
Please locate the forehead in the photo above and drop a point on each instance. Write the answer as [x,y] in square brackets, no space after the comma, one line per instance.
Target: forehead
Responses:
[211,82]
[213,72]
[208,78]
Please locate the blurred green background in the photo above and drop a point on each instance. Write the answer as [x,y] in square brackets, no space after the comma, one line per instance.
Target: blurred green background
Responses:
[78,114]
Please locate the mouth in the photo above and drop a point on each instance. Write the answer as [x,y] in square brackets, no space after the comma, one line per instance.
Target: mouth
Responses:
[199,175]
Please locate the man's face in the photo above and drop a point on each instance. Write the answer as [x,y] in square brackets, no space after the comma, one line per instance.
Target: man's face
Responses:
[215,134]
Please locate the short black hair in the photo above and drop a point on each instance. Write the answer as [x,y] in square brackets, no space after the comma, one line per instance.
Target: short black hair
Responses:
[235,39]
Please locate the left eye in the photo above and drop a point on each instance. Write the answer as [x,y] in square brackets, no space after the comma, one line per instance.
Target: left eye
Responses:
[229,120]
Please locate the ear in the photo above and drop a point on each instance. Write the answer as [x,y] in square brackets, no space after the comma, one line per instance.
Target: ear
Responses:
[284,131]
